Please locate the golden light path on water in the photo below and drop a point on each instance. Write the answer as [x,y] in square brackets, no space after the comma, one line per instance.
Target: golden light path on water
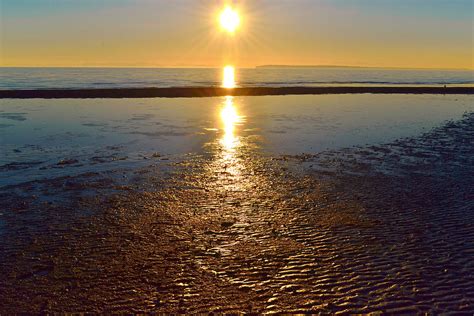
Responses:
[229,164]
[229,115]
[230,118]
[228,80]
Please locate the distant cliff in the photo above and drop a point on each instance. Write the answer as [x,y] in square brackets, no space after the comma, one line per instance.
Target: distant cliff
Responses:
[310,66]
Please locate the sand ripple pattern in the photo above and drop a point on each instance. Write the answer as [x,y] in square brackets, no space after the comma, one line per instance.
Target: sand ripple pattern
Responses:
[386,229]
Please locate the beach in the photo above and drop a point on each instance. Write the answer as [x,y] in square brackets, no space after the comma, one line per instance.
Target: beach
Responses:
[339,202]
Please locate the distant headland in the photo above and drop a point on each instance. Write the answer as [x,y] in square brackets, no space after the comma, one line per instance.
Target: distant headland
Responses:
[354,67]
[311,66]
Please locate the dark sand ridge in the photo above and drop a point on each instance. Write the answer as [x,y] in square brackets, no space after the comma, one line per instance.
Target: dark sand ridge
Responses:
[370,229]
[178,92]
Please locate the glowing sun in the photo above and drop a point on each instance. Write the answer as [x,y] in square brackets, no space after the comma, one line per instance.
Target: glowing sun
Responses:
[229,19]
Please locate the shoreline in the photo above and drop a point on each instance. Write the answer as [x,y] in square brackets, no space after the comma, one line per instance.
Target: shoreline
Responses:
[196,92]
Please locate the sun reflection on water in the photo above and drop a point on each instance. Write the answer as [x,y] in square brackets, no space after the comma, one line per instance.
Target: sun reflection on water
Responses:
[229,164]
[228,80]
[230,119]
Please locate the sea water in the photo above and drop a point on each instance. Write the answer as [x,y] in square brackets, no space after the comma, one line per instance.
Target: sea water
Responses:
[70,78]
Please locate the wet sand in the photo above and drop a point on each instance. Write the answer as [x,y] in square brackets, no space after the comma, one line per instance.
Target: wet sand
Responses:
[180,92]
[382,228]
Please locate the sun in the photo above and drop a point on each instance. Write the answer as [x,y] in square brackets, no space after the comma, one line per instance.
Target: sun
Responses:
[229,19]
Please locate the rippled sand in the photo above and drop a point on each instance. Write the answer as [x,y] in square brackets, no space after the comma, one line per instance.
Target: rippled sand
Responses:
[386,228]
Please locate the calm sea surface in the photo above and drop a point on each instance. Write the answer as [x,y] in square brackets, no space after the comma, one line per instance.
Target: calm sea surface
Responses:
[69,78]
[100,134]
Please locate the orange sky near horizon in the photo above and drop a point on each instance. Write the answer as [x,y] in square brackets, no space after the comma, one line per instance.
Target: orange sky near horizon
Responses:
[184,33]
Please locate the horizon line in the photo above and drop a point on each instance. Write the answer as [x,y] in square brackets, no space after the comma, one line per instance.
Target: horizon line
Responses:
[254,67]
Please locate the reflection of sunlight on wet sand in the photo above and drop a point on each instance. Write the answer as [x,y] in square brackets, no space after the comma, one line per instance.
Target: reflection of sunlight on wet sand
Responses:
[229,164]
[230,141]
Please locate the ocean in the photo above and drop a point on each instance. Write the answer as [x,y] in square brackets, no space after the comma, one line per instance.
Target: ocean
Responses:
[77,78]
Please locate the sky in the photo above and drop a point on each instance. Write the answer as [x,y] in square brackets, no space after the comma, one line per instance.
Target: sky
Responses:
[186,33]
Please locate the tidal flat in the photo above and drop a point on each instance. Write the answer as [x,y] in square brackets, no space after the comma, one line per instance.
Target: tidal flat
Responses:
[340,203]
